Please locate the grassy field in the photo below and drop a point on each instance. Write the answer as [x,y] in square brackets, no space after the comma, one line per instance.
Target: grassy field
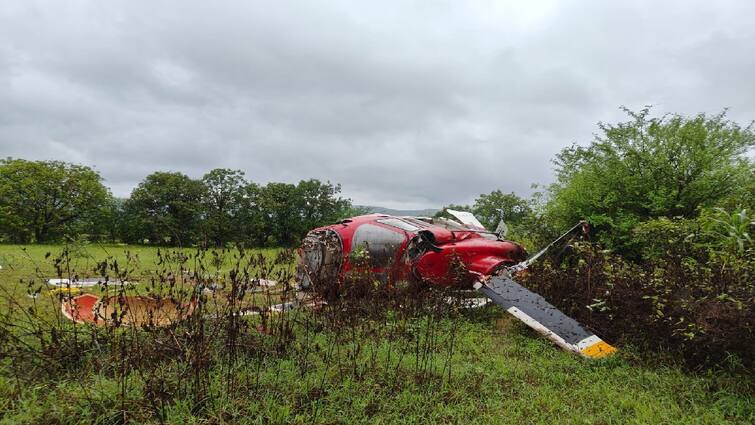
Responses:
[479,367]
[33,261]
[25,268]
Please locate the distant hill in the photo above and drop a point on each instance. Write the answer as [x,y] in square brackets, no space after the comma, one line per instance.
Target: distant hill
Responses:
[429,212]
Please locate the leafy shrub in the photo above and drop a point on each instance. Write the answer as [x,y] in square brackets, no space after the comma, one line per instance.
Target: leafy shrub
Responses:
[648,168]
[728,233]
[717,235]
[660,238]
[702,310]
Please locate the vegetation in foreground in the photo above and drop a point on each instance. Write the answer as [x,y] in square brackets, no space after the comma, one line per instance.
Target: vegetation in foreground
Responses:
[398,355]
[498,375]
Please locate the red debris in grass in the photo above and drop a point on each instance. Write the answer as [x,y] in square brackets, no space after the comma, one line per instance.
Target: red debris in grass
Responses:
[80,309]
[126,310]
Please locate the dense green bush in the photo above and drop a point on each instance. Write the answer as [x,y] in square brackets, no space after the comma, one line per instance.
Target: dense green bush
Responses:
[648,168]
[682,299]
[671,198]
[728,233]
[692,291]
[717,235]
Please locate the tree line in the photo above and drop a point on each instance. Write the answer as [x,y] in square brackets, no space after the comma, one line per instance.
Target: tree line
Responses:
[50,201]
[633,174]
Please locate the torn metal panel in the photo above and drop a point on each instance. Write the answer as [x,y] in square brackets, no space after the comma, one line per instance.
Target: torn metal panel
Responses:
[126,310]
[262,285]
[470,303]
[84,283]
[467,218]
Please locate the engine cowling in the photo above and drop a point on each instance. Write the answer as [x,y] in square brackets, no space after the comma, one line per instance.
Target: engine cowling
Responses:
[321,255]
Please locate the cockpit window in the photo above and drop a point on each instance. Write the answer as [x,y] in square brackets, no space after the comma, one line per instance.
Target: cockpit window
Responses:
[401,224]
[382,244]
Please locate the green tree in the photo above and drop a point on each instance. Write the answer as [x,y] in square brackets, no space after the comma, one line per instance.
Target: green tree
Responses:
[279,209]
[109,224]
[165,208]
[288,211]
[42,201]
[222,201]
[320,204]
[496,206]
[646,167]
[253,225]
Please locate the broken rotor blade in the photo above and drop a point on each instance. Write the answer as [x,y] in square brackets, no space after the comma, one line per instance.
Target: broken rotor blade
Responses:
[537,313]
[526,263]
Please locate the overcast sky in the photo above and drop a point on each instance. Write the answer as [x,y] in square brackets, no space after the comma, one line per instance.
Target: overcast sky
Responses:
[405,103]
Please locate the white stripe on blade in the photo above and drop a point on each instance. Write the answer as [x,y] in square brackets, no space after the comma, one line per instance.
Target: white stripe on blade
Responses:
[541,329]
[590,340]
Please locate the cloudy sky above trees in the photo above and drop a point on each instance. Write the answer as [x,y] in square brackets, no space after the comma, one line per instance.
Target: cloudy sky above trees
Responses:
[405,103]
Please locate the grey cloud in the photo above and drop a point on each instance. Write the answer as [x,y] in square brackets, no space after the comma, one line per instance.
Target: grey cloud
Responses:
[406,104]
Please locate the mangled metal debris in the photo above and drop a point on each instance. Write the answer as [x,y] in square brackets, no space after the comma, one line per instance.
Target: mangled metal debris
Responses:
[126,310]
[467,218]
[265,283]
[84,282]
[65,291]
[144,311]
[467,302]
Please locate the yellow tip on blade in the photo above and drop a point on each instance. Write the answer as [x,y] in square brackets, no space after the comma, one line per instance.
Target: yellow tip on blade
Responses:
[67,291]
[598,350]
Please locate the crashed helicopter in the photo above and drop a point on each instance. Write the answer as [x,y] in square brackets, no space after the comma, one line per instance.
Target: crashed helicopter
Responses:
[429,248]
[398,248]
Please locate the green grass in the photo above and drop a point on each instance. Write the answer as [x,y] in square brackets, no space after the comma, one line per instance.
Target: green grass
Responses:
[497,377]
[25,268]
[27,261]
[500,373]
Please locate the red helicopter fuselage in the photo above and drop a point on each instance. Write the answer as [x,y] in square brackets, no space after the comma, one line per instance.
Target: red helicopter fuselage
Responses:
[439,251]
